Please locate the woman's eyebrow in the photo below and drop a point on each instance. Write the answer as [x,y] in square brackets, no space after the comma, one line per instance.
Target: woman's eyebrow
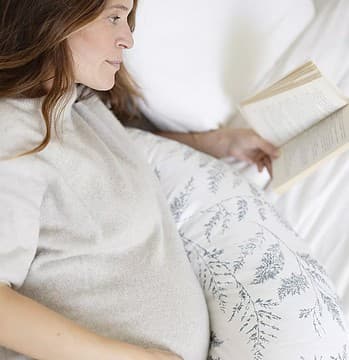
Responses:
[120,7]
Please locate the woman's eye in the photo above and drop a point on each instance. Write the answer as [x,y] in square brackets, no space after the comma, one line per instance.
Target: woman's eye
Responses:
[114,19]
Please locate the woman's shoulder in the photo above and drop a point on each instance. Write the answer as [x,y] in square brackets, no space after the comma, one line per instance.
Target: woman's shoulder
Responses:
[20,111]
[21,125]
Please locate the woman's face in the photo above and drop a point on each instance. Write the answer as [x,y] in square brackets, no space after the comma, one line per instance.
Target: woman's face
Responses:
[97,48]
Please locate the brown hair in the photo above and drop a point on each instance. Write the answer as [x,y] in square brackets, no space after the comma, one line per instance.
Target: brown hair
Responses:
[33,42]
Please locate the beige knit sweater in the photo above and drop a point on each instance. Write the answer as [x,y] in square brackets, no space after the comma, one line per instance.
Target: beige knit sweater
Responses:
[85,230]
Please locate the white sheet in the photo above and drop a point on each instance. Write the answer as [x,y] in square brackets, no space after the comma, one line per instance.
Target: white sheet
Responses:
[325,41]
[318,207]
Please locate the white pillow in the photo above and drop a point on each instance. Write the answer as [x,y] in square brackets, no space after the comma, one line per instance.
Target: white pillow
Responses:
[196,59]
[325,41]
[267,298]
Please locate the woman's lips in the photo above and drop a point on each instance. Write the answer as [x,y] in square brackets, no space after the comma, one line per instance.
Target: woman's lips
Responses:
[115,64]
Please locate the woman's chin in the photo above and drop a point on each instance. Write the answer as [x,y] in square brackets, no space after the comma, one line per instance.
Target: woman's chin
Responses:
[105,87]
[101,85]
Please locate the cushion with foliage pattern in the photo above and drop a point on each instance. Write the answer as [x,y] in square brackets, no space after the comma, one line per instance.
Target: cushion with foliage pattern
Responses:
[267,297]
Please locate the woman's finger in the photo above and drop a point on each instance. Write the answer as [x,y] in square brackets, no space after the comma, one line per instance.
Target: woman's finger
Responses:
[268,148]
[258,156]
[268,165]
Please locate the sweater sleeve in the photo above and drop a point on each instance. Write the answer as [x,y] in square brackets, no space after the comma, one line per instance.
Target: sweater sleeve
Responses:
[21,194]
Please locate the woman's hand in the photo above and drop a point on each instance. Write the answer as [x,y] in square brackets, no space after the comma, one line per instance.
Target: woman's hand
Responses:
[243,144]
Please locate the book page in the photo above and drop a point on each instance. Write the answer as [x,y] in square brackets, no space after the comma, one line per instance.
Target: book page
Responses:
[299,76]
[281,117]
[306,151]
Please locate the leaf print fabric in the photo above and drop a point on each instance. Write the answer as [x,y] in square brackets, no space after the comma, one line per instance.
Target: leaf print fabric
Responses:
[267,297]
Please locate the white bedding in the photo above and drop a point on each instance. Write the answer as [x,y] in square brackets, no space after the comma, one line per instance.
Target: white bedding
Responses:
[318,209]
[194,59]
[255,271]
[179,99]
[318,206]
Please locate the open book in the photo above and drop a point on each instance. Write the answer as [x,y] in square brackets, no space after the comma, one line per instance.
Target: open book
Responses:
[306,116]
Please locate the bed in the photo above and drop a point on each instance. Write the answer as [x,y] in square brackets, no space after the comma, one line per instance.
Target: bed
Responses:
[208,58]
[196,60]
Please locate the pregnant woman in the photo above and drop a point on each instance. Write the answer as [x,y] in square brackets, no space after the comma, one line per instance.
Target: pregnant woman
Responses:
[91,264]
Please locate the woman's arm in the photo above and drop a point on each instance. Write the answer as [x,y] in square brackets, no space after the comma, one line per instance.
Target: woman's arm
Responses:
[243,144]
[35,331]
[32,329]
[192,139]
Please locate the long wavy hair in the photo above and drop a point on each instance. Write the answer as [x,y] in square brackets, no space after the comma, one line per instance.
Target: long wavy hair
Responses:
[33,37]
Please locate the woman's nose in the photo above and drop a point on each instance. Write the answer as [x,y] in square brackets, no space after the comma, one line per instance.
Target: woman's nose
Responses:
[125,40]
